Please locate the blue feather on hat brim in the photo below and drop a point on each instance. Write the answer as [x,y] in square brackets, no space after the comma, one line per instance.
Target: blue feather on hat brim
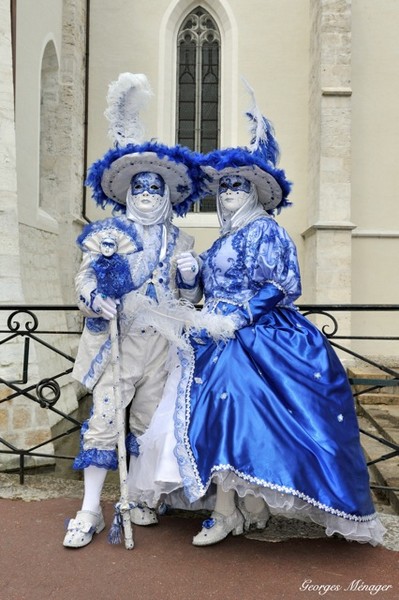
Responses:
[173,163]
[272,184]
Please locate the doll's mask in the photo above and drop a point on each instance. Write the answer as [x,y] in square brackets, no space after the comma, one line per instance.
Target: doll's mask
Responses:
[108,246]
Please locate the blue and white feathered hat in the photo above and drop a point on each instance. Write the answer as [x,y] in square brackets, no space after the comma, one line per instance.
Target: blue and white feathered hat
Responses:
[256,162]
[110,176]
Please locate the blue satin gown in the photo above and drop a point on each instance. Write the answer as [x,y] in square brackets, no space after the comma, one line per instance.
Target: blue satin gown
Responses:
[271,411]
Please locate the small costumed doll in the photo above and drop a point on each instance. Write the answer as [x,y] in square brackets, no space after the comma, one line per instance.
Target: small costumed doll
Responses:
[131,262]
[268,416]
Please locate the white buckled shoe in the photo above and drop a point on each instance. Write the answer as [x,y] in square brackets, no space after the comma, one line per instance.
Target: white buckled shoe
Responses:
[254,520]
[81,529]
[141,514]
[218,527]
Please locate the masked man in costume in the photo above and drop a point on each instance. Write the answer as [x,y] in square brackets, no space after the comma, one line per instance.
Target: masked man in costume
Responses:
[129,261]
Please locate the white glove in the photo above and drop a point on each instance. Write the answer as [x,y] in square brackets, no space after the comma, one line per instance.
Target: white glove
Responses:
[104,307]
[188,267]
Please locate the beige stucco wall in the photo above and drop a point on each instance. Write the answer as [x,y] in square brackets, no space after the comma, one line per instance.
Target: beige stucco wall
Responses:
[375,150]
[276,66]
[375,160]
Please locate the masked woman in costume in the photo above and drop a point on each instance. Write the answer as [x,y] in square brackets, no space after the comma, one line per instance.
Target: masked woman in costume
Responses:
[267,417]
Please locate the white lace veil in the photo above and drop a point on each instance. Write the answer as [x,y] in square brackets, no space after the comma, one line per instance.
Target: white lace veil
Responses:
[252,209]
[161,214]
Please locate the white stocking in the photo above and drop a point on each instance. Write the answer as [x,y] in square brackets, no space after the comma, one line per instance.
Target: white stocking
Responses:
[252,504]
[94,478]
[225,504]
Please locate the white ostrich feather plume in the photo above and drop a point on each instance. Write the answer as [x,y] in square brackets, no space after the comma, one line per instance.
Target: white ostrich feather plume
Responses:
[257,127]
[126,97]
[172,317]
[262,132]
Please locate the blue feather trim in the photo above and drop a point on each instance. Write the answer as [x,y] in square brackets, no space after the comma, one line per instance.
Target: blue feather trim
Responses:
[242,157]
[120,223]
[113,275]
[268,148]
[177,154]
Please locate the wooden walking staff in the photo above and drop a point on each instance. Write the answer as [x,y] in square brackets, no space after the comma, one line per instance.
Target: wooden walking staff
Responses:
[122,508]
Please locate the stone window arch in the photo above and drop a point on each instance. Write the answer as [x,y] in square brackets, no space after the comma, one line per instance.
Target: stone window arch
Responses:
[198,85]
[198,82]
[171,27]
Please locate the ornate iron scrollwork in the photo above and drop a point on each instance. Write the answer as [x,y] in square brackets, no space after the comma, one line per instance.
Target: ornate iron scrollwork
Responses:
[14,325]
[48,385]
[325,328]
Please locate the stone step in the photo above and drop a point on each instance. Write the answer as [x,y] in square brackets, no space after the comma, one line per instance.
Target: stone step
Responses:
[368,373]
[384,385]
[384,418]
[383,423]
[366,370]
[369,376]
[378,398]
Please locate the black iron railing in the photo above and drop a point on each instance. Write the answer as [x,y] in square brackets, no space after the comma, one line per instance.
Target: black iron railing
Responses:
[367,384]
[28,324]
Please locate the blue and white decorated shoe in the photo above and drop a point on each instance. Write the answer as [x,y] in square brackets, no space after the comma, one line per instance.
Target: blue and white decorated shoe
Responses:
[81,529]
[141,514]
[217,528]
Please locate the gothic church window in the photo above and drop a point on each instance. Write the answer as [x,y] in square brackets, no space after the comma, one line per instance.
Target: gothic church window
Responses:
[198,87]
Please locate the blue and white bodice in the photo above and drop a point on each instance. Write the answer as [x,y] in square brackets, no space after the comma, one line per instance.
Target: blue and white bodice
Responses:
[255,260]
[141,272]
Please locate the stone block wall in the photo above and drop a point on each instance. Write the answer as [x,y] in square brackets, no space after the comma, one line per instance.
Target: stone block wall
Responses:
[38,263]
[50,259]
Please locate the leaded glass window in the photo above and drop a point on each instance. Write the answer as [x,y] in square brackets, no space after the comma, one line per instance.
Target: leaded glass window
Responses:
[198,90]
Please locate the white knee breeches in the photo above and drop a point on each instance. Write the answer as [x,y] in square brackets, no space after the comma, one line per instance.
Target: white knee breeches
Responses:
[142,378]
